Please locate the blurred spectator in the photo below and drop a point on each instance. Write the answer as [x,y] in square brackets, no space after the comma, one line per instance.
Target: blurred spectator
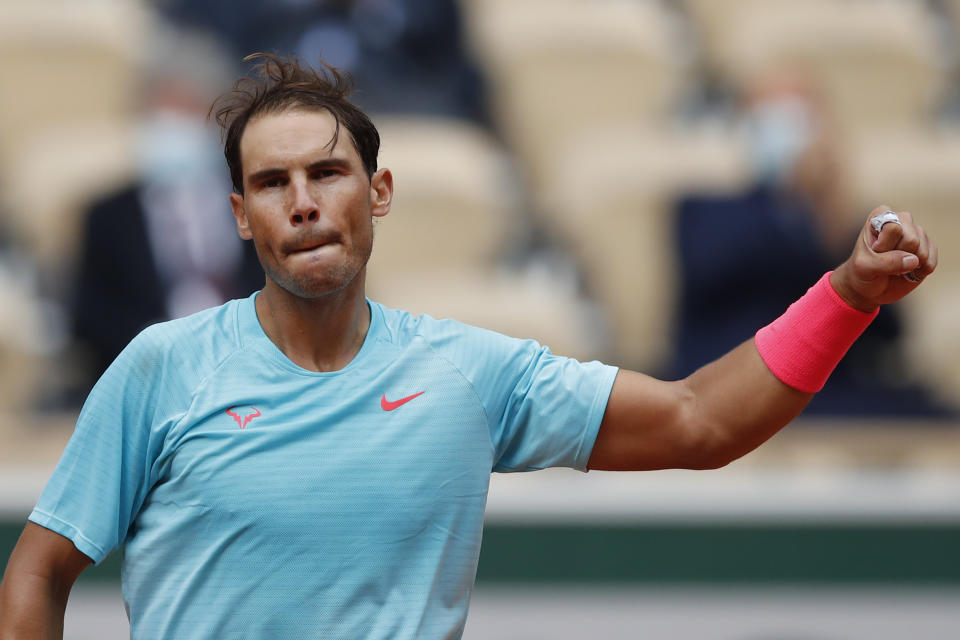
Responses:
[165,245]
[745,257]
[407,56]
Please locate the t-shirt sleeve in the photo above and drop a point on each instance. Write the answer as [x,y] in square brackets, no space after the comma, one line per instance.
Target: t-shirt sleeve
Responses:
[549,412]
[107,467]
[543,410]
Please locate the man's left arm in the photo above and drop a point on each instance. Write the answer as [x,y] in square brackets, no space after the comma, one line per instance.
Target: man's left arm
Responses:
[732,405]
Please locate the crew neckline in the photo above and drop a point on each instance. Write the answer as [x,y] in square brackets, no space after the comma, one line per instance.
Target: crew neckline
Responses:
[250,327]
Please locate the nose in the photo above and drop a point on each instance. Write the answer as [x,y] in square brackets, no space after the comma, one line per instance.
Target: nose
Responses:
[304,206]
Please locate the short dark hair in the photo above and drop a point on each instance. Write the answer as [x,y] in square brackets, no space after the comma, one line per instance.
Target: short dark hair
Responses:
[283,84]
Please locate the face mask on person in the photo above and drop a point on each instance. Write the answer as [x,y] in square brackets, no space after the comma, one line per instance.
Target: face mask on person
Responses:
[777,133]
[174,148]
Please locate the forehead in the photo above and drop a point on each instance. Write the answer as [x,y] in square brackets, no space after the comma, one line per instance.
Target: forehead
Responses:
[279,139]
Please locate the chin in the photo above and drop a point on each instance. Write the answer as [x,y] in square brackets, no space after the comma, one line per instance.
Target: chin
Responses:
[309,287]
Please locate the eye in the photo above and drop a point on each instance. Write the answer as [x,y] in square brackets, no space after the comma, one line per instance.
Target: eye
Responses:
[321,174]
[272,183]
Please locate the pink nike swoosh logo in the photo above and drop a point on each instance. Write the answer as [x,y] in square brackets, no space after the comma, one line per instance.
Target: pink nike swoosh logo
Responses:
[387,405]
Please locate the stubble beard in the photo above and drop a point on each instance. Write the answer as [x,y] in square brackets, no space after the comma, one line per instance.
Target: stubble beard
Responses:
[320,282]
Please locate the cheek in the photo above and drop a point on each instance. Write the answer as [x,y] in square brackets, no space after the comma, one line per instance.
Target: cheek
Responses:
[260,234]
[262,216]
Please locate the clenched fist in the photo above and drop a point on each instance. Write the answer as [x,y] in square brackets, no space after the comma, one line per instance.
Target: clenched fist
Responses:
[886,265]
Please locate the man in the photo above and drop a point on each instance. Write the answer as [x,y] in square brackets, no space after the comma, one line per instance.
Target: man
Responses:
[307,462]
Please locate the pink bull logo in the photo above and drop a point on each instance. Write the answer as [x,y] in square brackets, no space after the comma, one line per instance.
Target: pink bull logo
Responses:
[243,421]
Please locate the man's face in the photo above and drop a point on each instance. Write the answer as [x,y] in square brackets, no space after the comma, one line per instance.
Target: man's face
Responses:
[308,205]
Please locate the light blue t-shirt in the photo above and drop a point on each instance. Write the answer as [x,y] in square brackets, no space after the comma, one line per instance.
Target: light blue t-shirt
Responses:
[257,499]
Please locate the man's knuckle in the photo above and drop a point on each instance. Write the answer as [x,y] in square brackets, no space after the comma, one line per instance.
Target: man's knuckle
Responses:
[909,243]
[894,232]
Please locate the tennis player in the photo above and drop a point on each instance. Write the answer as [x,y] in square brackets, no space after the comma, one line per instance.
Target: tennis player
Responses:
[309,463]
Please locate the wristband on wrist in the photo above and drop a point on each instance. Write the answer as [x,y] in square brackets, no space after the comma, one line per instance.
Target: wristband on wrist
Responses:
[804,345]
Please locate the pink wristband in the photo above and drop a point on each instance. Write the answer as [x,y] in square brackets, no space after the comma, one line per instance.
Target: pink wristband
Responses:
[805,344]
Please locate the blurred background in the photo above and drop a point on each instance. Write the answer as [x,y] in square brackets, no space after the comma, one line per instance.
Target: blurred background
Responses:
[644,182]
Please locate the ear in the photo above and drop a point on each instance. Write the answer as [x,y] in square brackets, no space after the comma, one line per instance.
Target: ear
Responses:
[240,215]
[381,192]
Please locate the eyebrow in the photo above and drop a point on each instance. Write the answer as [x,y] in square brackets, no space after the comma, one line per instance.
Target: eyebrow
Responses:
[326,163]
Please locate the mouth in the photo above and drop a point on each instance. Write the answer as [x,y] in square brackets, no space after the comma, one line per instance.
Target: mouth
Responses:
[312,245]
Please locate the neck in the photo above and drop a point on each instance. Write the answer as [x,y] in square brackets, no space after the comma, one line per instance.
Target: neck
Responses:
[321,334]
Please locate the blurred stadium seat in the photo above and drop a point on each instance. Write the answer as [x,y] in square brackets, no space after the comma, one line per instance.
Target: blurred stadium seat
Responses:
[68,83]
[876,62]
[952,14]
[521,304]
[58,170]
[456,200]
[611,191]
[456,208]
[560,65]
[66,63]
[714,22]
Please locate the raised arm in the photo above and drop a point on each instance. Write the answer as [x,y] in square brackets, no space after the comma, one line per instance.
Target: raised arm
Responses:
[732,405]
[33,595]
